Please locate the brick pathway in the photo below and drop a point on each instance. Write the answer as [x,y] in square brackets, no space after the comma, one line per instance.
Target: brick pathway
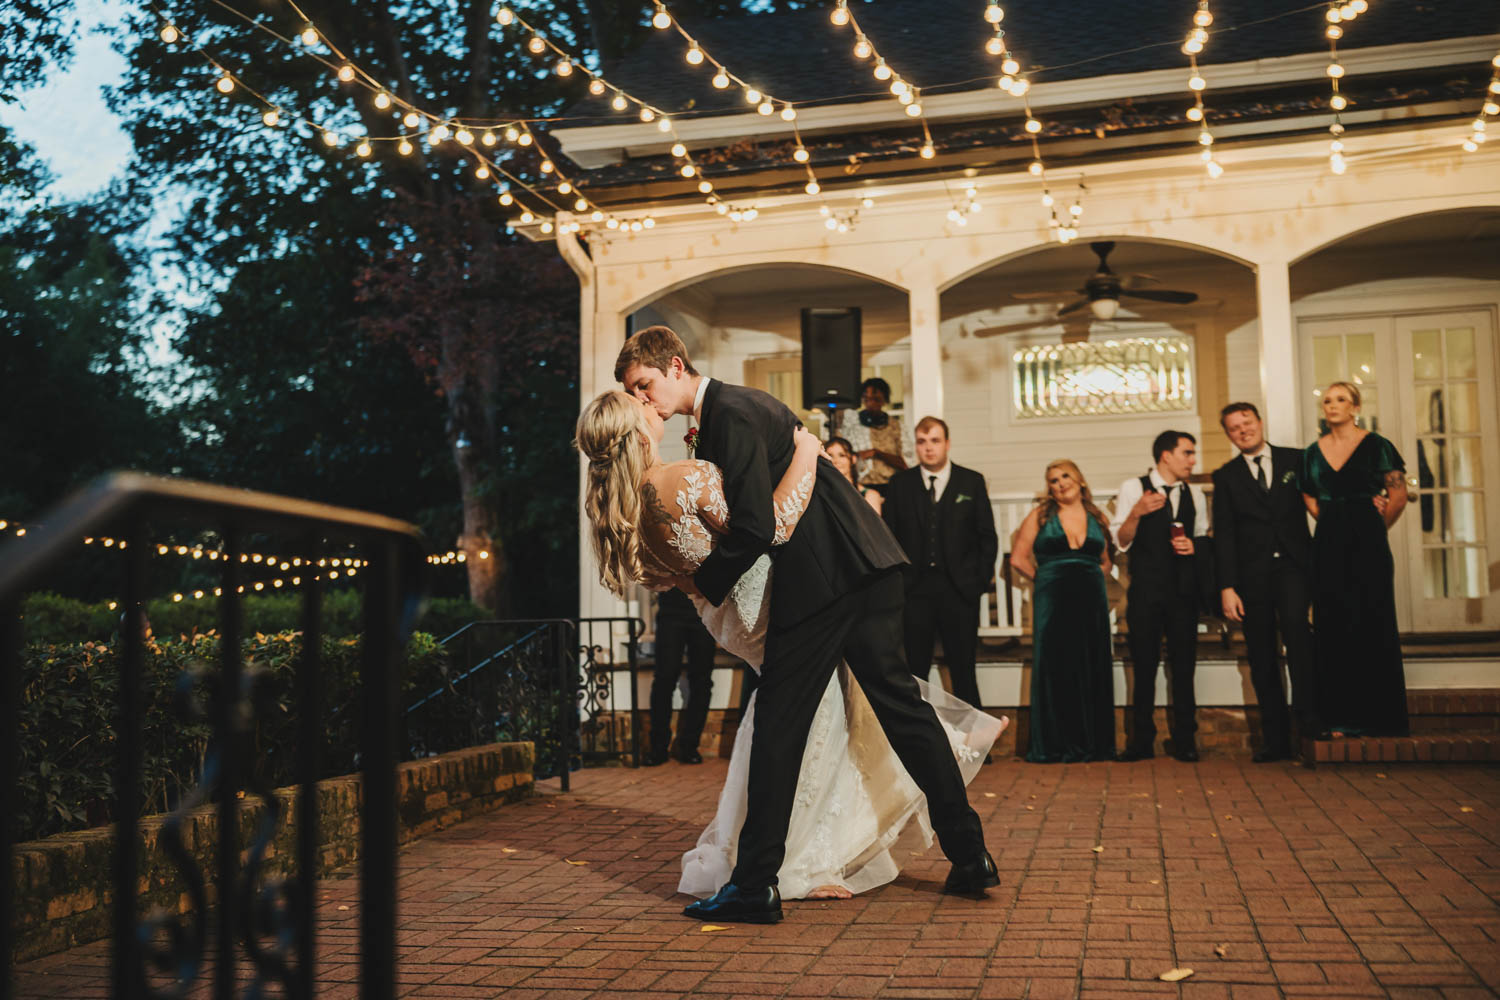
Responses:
[1267,881]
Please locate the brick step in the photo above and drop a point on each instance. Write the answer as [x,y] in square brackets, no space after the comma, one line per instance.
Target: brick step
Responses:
[1423,747]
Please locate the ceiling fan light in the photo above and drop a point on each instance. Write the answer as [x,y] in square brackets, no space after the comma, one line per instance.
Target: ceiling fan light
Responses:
[1104,309]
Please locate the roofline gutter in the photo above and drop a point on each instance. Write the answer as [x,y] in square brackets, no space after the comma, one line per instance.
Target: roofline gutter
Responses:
[598,145]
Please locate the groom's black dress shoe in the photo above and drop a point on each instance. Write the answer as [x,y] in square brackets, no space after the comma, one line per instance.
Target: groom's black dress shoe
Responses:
[1131,754]
[733,905]
[973,878]
[691,757]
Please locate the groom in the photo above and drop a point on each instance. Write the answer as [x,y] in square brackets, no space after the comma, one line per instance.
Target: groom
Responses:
[836,595]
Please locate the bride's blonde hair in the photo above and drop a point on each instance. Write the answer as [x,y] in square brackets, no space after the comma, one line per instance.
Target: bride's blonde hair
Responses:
[612,436]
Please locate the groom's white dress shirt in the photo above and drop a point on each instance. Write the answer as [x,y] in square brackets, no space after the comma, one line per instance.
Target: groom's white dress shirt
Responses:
[698,399]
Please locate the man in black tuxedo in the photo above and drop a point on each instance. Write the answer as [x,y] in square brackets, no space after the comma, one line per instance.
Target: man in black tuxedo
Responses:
[940,513]
[836,595]
[1161,519]
[1263,549]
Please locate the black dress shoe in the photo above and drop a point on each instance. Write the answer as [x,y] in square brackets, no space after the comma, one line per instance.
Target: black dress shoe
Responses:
[973,878]
[1130,754]
[654,758]
[1188,755]
[733,905]
[1266,755]
[693,757]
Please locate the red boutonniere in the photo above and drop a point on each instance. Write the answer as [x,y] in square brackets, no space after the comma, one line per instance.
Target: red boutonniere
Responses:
[691,437]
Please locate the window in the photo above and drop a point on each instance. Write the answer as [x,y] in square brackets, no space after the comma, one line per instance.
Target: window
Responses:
[1141,375]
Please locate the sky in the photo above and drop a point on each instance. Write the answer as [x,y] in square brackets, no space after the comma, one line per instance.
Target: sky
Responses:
[67,121]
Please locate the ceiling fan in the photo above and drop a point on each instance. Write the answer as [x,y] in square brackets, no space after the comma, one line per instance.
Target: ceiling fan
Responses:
[1101,293]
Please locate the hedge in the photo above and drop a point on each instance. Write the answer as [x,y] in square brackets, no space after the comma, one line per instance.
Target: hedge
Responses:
[49,618]
[68,706]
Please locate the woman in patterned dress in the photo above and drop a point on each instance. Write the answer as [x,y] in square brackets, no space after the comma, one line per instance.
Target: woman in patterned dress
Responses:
[858,815]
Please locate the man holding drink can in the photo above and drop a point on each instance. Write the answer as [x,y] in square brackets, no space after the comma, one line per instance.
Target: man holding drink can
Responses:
[1162,520]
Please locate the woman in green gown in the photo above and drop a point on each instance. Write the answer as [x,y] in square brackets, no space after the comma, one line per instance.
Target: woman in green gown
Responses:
[1065,546]
[1354,483]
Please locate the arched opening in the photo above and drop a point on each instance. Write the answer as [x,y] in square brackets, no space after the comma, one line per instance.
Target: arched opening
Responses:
[745,325]
[1407,310]
[1098,400]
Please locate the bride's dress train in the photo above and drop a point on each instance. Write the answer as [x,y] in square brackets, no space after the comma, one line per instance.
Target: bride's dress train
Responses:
[858,815]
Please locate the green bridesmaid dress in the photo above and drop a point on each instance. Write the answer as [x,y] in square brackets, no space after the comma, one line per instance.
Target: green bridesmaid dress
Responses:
[1359,678]
[1072,675]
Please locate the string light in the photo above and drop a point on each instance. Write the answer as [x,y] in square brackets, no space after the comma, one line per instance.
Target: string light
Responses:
[1196,39]
[842,16]
[169,33]
[1336,15]
[1490,109]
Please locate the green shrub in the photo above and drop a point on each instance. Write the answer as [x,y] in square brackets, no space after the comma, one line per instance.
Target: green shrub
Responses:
[49,618]
[69,704]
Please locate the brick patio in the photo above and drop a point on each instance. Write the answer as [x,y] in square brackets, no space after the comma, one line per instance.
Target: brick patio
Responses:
[1267,881]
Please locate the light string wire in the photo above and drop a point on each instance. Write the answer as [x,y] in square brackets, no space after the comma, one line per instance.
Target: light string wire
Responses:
[421,123]
[1490,109]
[1194,43]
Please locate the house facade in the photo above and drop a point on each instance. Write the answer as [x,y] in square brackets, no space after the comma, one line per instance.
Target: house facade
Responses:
[1385,273]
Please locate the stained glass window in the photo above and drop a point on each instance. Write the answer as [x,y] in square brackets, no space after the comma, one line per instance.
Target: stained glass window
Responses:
[1139,375]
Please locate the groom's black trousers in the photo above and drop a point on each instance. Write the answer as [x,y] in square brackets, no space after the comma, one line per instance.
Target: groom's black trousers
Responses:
[864,629]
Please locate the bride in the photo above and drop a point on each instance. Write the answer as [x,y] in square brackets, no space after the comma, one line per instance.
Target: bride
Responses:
[858,815]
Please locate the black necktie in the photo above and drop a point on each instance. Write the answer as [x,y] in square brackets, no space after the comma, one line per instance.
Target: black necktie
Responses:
[1260,475]
[932,489]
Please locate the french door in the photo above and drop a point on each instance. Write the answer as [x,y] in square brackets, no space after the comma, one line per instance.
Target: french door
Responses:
[1428,385]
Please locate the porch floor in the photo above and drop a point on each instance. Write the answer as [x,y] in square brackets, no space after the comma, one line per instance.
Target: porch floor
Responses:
[1265,880]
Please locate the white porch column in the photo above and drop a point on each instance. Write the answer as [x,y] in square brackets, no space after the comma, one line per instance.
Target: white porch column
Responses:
[1278,353]
[926,352]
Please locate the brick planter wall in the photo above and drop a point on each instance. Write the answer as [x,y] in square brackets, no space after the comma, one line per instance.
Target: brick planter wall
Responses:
[64,883]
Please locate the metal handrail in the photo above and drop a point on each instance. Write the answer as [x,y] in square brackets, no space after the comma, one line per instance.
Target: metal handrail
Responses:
[121,502]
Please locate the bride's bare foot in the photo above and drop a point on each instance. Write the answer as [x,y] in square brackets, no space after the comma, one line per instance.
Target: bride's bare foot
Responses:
[832,891]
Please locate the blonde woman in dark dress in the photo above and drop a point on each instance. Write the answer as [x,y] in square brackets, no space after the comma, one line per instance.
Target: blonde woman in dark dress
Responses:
[1354,483]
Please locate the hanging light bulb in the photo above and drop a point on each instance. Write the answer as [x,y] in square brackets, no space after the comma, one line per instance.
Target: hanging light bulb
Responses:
[812,187]
[721,80]
[914,110]
[1022,85]
[564,188]
[1010,67]
[440,132]
[597,216]
[564,66]
[363,149]
[527,217]
[648,222]
[704,187]
[1035,169]
[330,139]
[596,86]
[1337,164]
[1491,108]
[1047,199]
[882,71]
[1214,170]
[867,202]
[546,227]
[580,205]
[1334,32]
[1196,82]
[512,133]
[840,13]
[225,84]
[1006,83]
[862,48]
[1195,114]
[382,100]
[694,55]
[830,224]
[404,147]
[1033,126]
[994,13]
[506,198]
[1336,71]
[688,170]
[765,107]
[536,45]
[1202,18]
[788,113]
[664,125]
[464,137]
[647,115]
[309,35]
[547,166]
[678,149]
[661,20]
[271,118]
[800,154]
[482,172]
[525,139]
[1338,102]
[1205,139]
[619,103]
[995,45]
[169,33]
[927,152]
[488,138]
[411,119]
[346,73]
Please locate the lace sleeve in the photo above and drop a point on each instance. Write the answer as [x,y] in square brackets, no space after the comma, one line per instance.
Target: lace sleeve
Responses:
[707,485]
[796,486]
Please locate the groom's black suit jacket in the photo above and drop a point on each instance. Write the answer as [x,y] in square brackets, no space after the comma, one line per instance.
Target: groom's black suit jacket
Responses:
[1251,526]
[840,541]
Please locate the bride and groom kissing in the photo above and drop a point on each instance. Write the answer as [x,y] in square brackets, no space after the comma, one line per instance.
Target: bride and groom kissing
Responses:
[845,747]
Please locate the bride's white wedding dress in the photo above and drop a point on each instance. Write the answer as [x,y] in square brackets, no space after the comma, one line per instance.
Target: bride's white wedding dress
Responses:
[858,815]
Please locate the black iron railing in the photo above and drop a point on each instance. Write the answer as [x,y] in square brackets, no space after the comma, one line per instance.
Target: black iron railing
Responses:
[606,647]
[507,680]
[260,931]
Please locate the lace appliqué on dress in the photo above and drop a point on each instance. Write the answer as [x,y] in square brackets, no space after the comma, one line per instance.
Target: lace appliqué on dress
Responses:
[790,510]
[713,501]
[689,536]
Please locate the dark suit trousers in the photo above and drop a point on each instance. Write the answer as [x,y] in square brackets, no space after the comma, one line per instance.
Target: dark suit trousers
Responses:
[935,609]
[674,636]
[863,628]
[1151,617]
[1280,603]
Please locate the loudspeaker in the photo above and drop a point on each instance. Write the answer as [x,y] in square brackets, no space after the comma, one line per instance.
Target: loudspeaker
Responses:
[830,357]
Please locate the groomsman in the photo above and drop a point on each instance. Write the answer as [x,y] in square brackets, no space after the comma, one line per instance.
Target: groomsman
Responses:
[1162,520]
[940,513]
[1263,548]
